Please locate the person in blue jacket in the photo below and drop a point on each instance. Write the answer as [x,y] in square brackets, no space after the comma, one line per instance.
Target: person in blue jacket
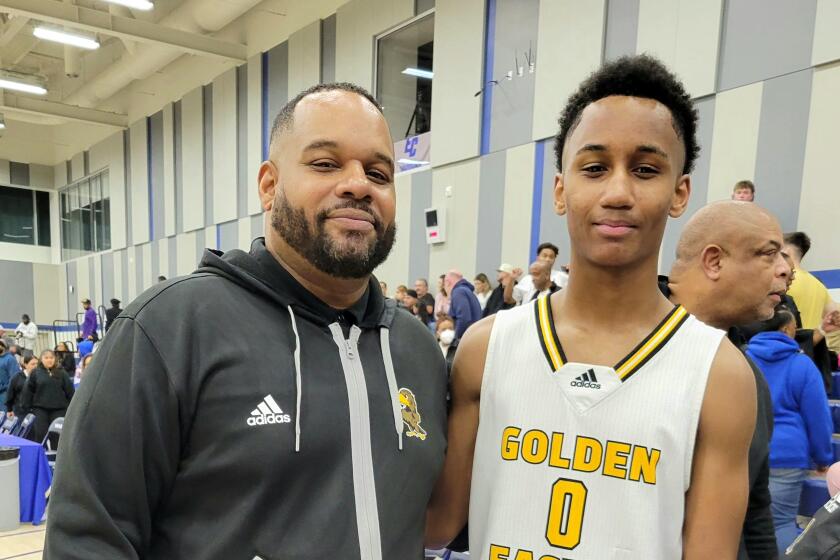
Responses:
[803,426]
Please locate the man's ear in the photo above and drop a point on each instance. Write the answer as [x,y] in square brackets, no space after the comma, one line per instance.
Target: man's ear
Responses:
[711,258]
[682,192]
[559,195]
[268,179]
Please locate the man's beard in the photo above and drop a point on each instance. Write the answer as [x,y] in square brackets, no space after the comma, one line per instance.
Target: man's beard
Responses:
[322,251]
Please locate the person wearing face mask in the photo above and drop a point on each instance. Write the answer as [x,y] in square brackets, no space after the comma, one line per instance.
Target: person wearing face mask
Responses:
[14,396]
[446,340]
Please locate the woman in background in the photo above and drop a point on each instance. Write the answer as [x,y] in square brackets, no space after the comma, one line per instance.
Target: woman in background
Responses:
[14,396]
[47,394]
[803,426]
[483,289]
[66,359]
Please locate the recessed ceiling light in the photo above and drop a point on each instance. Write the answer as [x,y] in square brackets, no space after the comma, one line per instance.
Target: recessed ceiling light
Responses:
[136,4]
[21,82]
[65,37]
[419,73]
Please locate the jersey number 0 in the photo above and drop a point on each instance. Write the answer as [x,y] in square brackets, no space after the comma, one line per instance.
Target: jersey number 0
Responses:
[565,513]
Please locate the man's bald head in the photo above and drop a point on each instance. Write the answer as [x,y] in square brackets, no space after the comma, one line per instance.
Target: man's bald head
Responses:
[540,272]
[727,223]
[729,268]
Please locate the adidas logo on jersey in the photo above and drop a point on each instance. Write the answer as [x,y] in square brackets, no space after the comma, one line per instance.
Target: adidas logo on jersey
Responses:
[587,380]
[268,412]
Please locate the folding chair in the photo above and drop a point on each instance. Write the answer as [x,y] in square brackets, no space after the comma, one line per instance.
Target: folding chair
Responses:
[9,425]
[55,428]
[25,426]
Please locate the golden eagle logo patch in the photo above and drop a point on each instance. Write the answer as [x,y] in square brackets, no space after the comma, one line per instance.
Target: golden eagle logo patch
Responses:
[410,414]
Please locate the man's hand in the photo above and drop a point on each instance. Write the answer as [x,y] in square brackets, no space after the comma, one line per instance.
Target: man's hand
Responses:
[831,322]
[517,273]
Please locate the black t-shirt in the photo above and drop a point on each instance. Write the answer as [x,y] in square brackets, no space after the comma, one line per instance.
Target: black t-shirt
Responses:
[422,310]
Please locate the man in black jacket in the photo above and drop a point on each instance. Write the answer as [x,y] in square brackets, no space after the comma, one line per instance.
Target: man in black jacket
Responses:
[112,314]
[284,414]
[730,271]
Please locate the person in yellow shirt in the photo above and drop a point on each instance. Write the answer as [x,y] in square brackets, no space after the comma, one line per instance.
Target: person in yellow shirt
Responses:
[811,296]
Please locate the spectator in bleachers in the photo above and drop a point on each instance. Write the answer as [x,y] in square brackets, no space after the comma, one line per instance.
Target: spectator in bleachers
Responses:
[483,289]
[421,286]
[811,296]
[412,303]
[47,395]
[802,418]
[384,287]
[399,295]
[502,295]
[65,358]
[80,371]
[541,282]
[545,252]
[14,396]
[15,351]
[8,369]
[447,341]
[89,324]
[26,335]
[85,346]
[161,278]
[442,301]
[744,191]
[112,313]
[463,305]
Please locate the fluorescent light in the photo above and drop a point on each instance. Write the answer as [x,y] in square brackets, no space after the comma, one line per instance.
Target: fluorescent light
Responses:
[57,36]
[411,162]
[136,4]
[419,73]
[13,84]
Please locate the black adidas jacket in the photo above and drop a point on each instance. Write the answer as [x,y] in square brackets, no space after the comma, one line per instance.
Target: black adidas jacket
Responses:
[261,424]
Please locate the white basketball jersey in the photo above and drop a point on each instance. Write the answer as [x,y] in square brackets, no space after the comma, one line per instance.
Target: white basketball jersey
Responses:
[585,462]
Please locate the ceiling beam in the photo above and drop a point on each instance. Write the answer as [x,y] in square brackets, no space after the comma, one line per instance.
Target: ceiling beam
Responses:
[34,106]
[53,11]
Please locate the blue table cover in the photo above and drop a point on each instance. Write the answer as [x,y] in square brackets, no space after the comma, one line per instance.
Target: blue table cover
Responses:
[35,477]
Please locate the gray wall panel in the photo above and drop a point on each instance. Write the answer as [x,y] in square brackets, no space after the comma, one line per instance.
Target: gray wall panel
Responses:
[128,186]
[242,185]
[764,38]
[491,195]
[699,182]
[278,80]
[124,266]
[200,245]
[328,49]
[512,108]
[257,226]
[178,166]
[74,298]
[107,278]
[173,256]
[207,92]
[552,227]
[137,253]
[229,236]
[155,260]
[782,135]
[16,278]
[421,198]
[91,272]
[622,28]
[156,204]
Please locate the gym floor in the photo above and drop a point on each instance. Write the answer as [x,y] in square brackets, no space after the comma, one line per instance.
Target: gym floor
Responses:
[24,543]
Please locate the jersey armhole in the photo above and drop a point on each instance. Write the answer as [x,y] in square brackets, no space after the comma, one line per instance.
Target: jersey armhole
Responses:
[696,407]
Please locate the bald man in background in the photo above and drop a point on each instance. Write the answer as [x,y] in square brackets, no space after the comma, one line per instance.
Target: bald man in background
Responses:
[730,271]
[463,305]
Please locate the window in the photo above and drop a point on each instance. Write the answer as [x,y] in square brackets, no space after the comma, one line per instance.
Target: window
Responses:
[24,216]
[85,217]
[404,76]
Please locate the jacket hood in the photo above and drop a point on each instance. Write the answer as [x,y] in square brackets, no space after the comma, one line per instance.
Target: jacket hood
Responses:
[773,346]
[258,271]
[463,283]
